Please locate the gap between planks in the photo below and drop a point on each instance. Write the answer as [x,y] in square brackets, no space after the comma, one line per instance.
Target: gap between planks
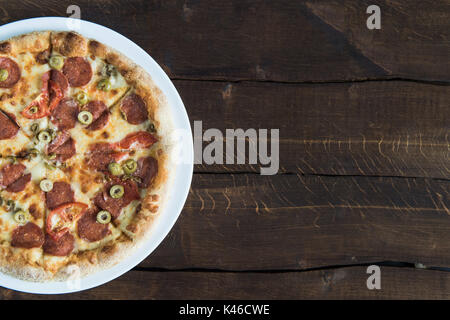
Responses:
[318,175]
[387,79]
[392,264]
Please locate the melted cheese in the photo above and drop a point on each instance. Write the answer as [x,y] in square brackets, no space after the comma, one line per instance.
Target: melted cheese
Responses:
[15,145]
[118,84]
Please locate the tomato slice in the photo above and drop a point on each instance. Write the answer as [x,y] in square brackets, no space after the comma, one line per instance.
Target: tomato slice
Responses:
[42,110]
[41,102]
[59,218]
[136,140]
[50,96]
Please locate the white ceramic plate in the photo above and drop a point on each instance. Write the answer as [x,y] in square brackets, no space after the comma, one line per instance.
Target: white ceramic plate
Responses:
[184,167]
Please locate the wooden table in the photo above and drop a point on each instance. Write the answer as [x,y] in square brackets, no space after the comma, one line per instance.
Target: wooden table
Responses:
[364,146]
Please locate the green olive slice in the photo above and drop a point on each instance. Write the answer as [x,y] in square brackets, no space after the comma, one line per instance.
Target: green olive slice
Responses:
[103,217]
[56,62]
[44,136]
[3,75]
[20,216]
[85,117]
[46,185]
[10,205]
[115,169]
[82,98]
[34,127]
[33,110]
[116,191]
[129,166]
[104,85]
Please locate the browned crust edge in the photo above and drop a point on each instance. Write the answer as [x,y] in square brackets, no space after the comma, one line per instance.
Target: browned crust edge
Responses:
[30,42]
[15,262]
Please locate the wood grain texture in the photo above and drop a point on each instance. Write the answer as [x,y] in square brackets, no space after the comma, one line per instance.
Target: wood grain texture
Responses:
[272,40]
[387,128]
[364,148]
[341,283]
[252,222]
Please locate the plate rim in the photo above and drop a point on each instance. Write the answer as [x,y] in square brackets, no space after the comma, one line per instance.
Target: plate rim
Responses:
[165,221]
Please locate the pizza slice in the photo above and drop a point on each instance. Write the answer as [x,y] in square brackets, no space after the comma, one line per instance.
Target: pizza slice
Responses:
[21,216]
[95,86]
[72,231]
[23,62]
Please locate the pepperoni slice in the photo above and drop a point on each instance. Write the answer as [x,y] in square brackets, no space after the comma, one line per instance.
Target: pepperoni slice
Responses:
[13,179]
[20,184]
[27,236]
[65,115]
[10,173]
[100,123]
[101,155]
[63,146]
[136,140]
[8,127]
[146,171]
[134,108]
[115,206]
[13,72]
[62,137]
[100,115]
[66,151]
[78,71]
[89,229]
[60,194]
[59,78]
[61,247]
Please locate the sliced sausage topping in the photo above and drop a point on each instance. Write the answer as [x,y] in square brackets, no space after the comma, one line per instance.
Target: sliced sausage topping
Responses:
[27,236]
[78,71]
[12,70]
[89,229]
[8,127]
[61,247]
[146,171]
[60,194]
[134,109]
[64,116]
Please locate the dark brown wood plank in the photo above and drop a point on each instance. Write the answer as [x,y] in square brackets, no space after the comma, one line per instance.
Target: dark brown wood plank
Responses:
[252,222]
[342,283]
[387,128]
[272,40]
[410,42]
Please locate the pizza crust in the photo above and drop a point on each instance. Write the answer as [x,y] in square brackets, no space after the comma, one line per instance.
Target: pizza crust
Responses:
[31,42]
[69,44]
[15,262]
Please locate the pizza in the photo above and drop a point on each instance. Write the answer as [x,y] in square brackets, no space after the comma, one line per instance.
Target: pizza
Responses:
[84,155]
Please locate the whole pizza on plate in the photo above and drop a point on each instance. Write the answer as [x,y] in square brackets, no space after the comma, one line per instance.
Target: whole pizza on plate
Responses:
[84,155]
